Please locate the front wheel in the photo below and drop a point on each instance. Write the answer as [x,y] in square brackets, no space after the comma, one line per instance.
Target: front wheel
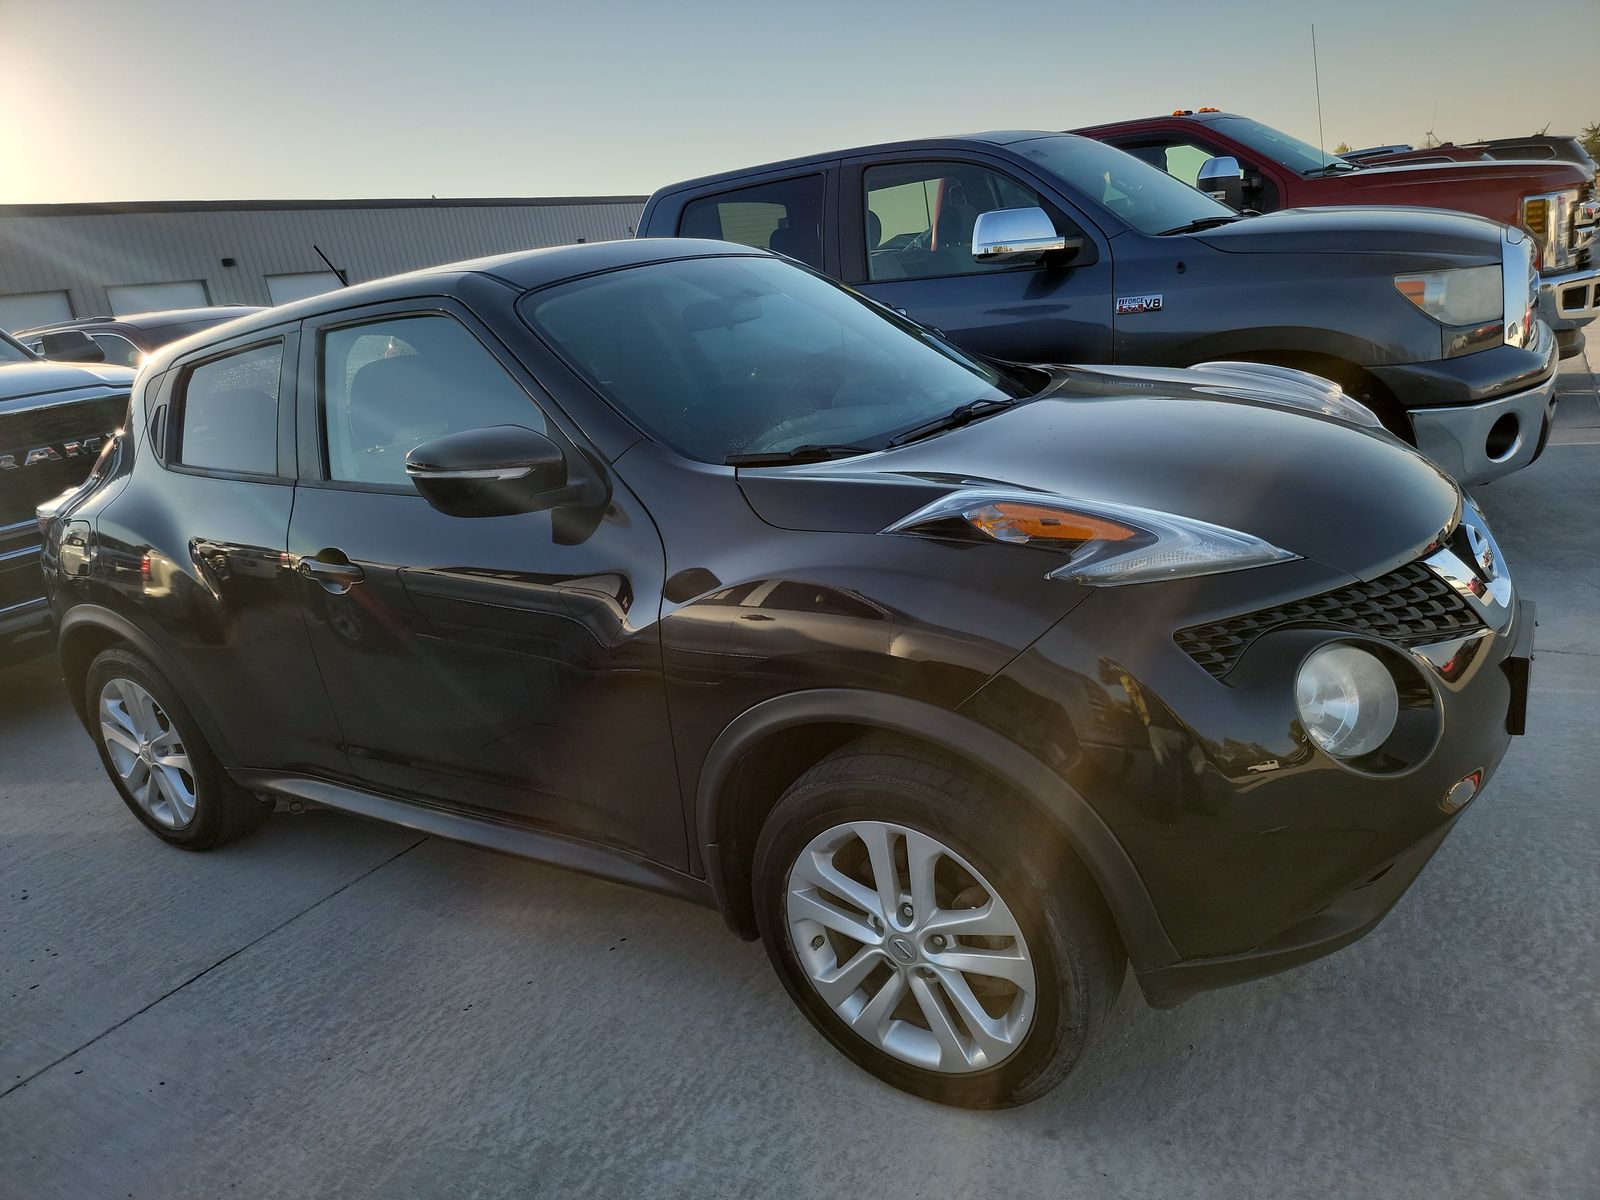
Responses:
[930,929]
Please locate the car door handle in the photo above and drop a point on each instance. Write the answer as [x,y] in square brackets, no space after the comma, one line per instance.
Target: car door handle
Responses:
[335,577]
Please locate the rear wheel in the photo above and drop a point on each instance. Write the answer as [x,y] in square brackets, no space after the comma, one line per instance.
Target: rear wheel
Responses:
[929,931]
[157,759]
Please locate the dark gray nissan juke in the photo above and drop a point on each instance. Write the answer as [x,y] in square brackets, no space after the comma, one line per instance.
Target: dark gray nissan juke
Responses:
[959,683]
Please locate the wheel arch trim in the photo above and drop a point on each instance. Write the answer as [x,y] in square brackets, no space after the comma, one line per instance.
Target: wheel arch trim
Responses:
[83,618]
[1143,935]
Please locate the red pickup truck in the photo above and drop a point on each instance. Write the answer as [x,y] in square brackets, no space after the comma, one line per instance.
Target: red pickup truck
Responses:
[1251,165]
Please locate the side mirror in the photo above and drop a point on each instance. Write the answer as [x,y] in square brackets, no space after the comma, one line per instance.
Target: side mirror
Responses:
[494,472]
[1222,178]
[1018,235]
[70,345]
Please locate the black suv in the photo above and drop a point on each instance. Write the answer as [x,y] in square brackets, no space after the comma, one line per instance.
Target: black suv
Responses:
[125,341]
[670,561]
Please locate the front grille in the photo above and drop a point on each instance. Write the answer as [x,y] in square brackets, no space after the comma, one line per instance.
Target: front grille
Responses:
[1411,606]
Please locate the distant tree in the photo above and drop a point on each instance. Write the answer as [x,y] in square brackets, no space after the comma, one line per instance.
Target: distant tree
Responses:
[1590,137]
[1342,148]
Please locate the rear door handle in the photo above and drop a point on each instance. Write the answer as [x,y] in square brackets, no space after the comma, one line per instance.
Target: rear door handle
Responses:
[336,577]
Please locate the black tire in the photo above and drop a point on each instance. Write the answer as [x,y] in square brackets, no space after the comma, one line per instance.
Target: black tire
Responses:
[1077,956]
[223,810]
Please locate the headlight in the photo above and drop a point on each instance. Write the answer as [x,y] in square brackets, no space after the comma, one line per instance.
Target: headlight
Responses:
[1104,543]
[1457,296]
[1347,700]
[1288,387]
[1547,216]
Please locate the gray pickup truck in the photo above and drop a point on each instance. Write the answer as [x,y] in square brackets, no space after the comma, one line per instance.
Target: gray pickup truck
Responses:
[56,420]
[1043,247]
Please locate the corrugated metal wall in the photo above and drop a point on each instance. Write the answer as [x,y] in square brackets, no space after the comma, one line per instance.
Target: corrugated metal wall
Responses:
[85,248]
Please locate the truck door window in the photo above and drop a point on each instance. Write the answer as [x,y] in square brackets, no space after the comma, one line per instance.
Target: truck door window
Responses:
[919,217]
[1176,156]
[784,216]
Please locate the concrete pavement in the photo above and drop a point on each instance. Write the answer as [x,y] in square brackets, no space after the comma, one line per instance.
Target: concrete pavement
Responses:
[335,1008]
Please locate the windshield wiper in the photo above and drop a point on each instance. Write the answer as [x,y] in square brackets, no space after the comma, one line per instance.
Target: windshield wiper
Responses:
[954,419]
[1332,169]
[799,454]
[1202,223]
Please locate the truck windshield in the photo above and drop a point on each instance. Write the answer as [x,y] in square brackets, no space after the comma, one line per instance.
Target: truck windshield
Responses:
[1277,146]
[738,356]
[1147,198]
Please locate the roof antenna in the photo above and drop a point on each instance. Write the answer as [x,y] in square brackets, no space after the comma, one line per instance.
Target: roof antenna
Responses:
[1316,75]
[344,280]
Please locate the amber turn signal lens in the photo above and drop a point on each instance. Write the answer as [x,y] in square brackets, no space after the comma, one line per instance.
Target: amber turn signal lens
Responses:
[1019,524]
[1413,289]
[1534,215]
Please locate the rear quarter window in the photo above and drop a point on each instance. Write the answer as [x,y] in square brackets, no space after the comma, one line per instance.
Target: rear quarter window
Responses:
[229,412]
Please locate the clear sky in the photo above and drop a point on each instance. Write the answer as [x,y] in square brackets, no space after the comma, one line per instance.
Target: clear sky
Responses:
[228,99]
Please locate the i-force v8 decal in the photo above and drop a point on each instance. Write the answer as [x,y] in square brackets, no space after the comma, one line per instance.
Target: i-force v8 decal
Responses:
[1138,304]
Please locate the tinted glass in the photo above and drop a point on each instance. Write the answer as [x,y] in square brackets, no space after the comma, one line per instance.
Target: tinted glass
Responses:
[723,356]
[920,216]
[230,412]
[1144,196]
[785,216]
[390,385]
[12,351]
[1278,146]
[118,350]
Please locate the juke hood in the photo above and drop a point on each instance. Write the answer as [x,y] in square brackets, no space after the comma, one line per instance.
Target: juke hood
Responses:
[1366,230]
[1355,501]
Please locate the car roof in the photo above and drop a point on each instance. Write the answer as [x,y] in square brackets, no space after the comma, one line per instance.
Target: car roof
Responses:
[148,320]
[1201,118]
[523,270]
[966,141]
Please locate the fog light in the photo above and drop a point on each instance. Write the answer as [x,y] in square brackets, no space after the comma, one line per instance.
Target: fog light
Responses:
[1347,700]
[1461,792]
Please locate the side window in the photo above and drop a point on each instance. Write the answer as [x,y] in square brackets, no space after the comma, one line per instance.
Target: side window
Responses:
[919,217]
[230,412]
[784,216]
[388,385]
[118,349]
[1178,158]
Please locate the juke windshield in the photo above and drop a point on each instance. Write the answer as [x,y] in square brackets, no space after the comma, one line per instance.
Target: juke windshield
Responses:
[738,356]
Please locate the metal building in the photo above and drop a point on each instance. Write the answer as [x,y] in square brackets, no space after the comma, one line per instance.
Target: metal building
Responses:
[64,260]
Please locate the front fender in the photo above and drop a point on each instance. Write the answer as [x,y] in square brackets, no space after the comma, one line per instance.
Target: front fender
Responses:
[1142,932]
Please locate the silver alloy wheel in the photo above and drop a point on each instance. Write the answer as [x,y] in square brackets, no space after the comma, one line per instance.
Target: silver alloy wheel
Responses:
[148,753]
[911,946]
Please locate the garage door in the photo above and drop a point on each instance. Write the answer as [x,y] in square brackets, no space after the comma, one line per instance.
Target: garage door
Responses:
[284,288]
[153,297]
[23,310]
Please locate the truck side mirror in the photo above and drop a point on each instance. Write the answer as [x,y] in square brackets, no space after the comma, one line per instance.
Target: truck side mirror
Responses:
[1222,178]
[70,345]
[1018,235]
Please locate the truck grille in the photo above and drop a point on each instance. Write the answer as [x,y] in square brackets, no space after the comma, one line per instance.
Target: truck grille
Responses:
[1411,607]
